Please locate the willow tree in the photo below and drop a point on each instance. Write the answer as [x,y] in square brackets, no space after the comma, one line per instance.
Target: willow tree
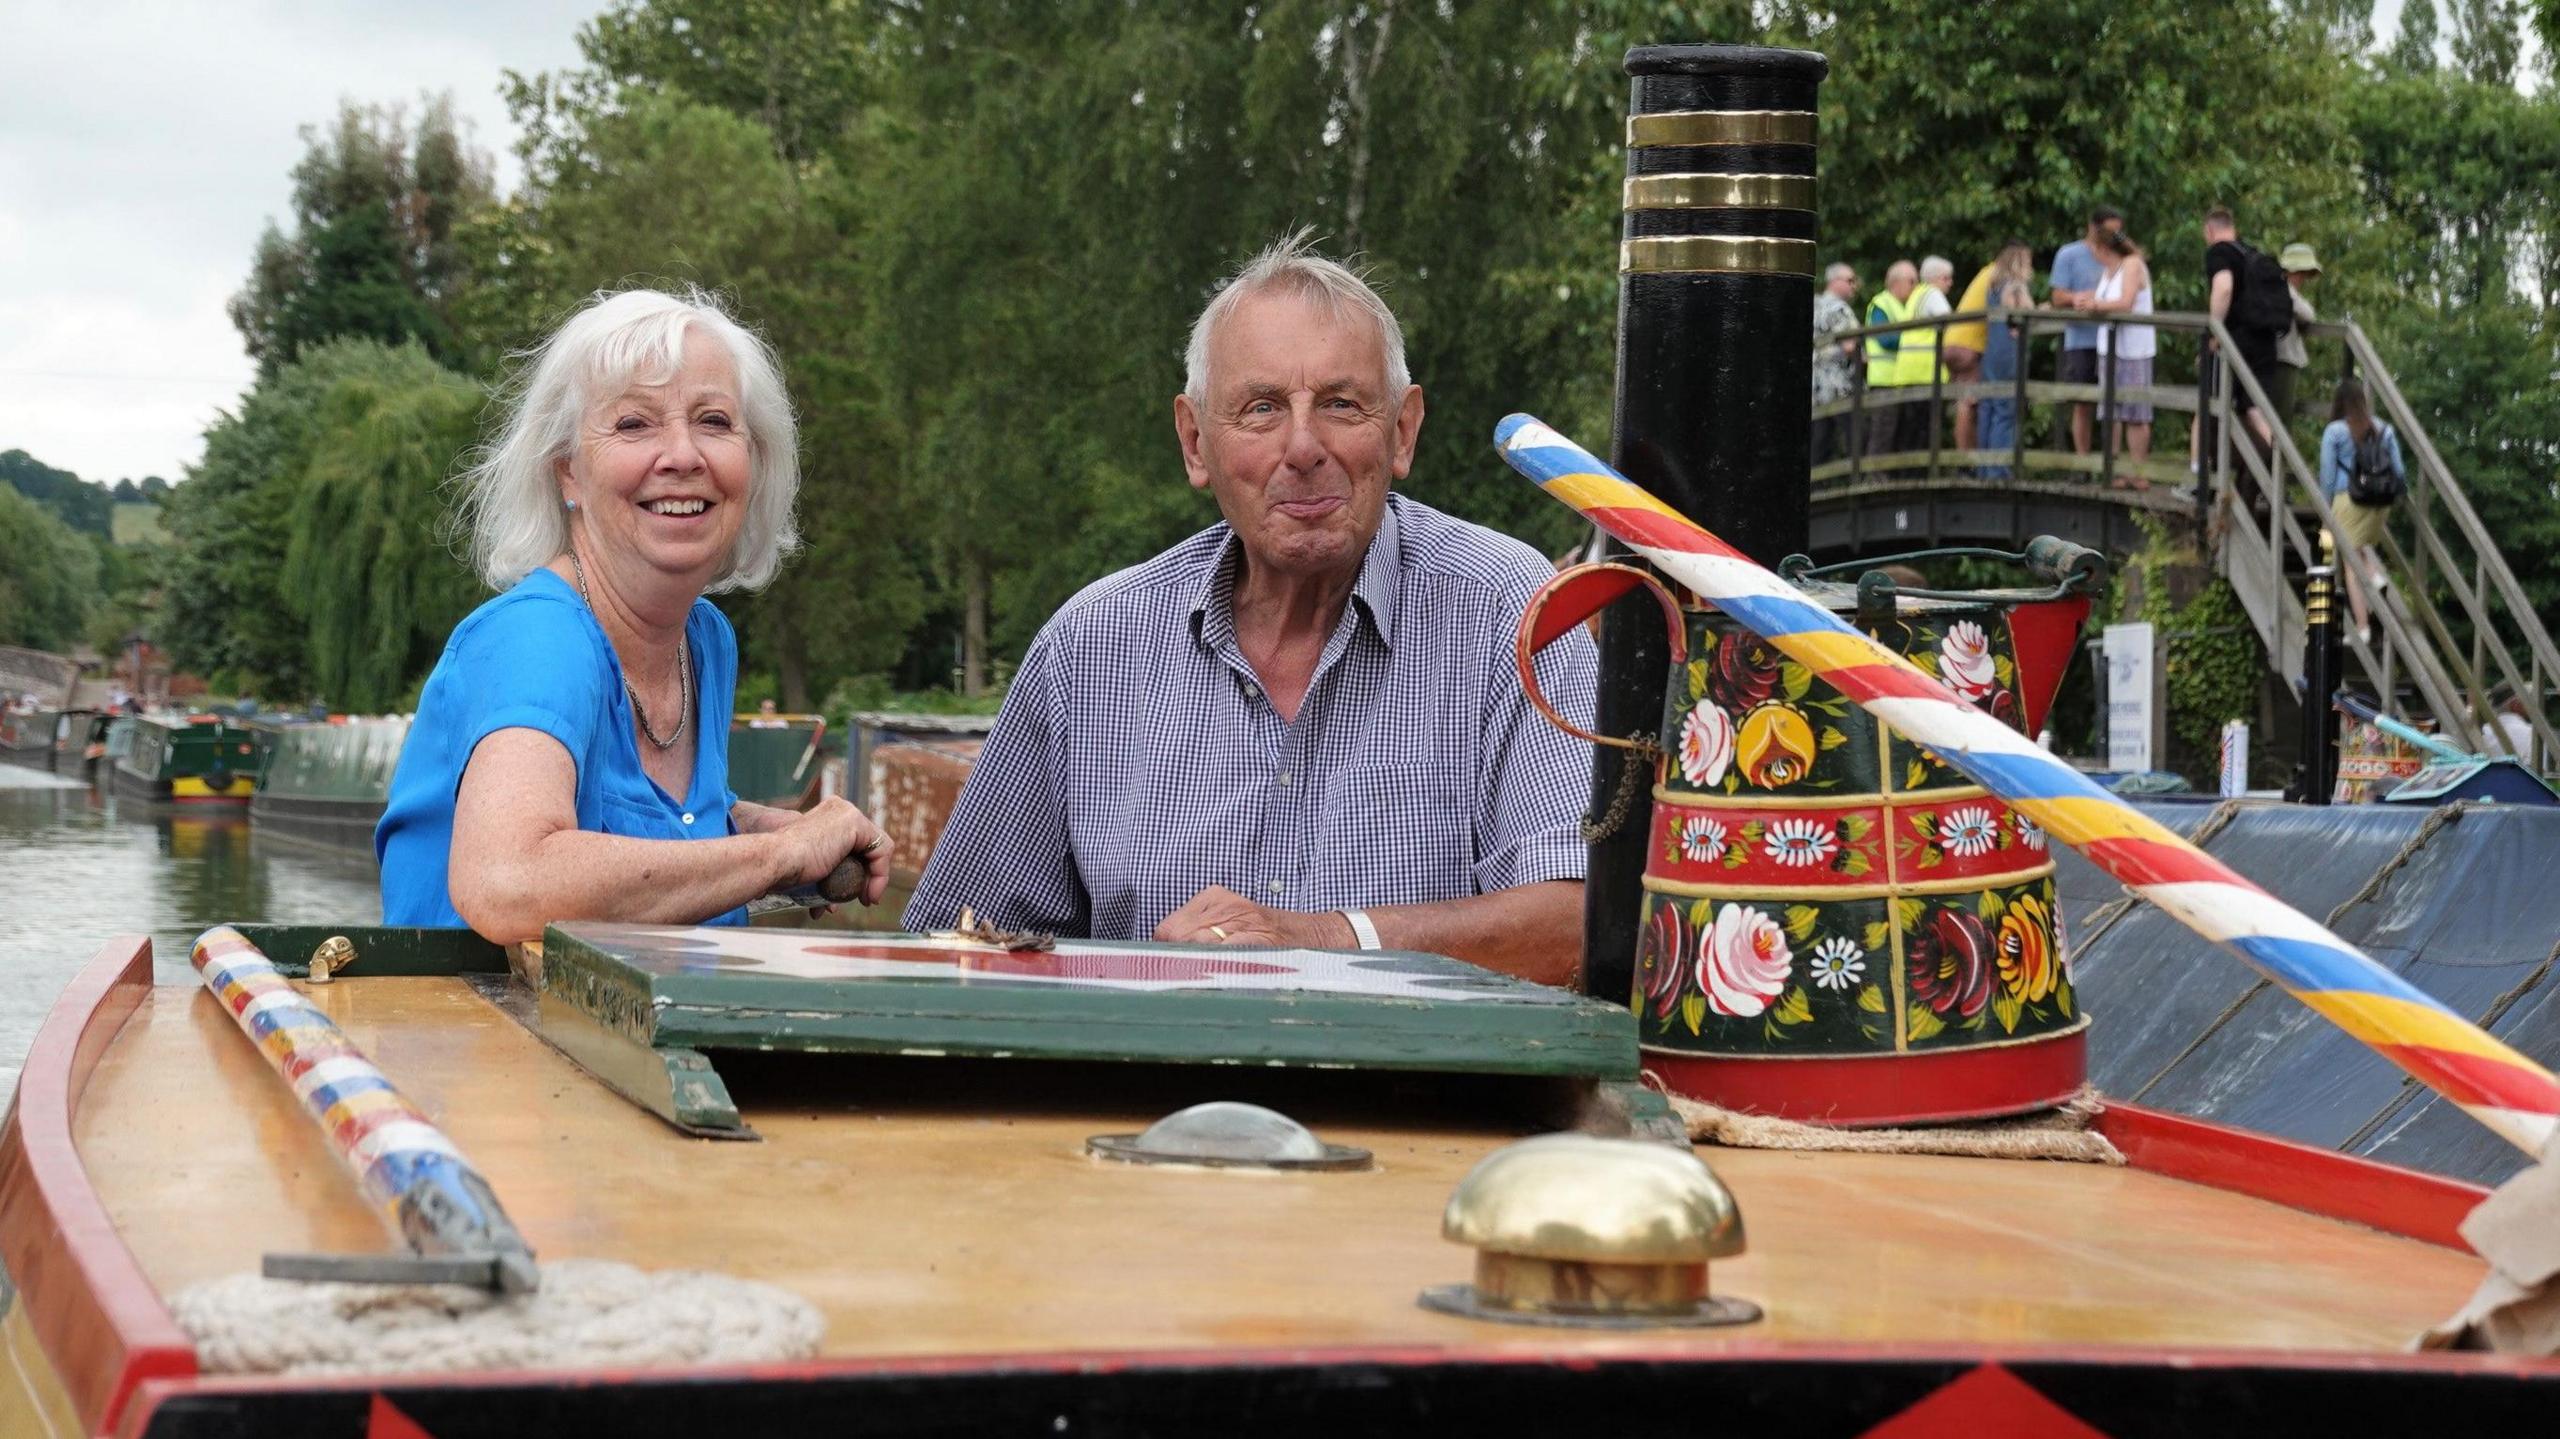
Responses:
[369,564]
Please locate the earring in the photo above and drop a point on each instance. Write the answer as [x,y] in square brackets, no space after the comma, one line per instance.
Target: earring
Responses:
[570,505]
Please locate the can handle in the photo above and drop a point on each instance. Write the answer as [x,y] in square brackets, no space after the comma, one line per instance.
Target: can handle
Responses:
[1573,596]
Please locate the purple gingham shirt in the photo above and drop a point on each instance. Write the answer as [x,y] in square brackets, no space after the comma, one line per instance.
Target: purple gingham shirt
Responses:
[1137,761]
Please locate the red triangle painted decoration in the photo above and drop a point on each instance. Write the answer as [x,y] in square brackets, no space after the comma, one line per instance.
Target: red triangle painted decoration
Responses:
[1988,1400]
[387,1422]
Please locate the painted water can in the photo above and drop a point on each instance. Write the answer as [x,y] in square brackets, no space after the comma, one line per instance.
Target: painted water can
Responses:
[1836,926]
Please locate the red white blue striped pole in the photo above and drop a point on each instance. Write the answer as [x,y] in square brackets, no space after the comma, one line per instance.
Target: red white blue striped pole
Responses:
[2442,1050]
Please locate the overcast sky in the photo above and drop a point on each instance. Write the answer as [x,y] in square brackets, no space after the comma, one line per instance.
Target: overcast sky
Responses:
[142,146]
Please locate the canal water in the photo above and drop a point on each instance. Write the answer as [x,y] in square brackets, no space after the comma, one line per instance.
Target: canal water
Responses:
[75,871]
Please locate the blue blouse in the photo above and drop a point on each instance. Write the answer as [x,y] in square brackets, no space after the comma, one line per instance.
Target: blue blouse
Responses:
[535,658]
[2338,455]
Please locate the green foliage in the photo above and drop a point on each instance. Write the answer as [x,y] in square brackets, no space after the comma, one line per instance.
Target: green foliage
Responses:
[366,566]
[308,550]
[48,575]
[373,253]
[83,506]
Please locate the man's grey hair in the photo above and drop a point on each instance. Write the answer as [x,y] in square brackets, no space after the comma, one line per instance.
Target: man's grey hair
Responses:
[1840,270]
[510,498]
[1936,268]
[1291,265]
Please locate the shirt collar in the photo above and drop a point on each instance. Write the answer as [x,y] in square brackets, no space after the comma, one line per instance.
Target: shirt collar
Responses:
[1373,593]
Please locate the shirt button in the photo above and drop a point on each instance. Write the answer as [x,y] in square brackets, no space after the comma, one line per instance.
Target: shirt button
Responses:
[1253,691]
[1287,779]
[1273,886]
[688,819]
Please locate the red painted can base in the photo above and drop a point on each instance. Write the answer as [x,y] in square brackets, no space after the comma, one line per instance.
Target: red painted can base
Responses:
[1885,1089]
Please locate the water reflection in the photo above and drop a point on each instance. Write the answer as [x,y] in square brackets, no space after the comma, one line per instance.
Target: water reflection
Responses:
[77,868]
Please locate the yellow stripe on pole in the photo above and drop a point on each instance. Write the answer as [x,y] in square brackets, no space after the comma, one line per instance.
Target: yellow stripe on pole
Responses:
[1589,492]
[2078,820]
[2382,1019]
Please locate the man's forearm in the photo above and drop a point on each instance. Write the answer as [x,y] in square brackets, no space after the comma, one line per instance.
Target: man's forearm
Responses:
[1533,931]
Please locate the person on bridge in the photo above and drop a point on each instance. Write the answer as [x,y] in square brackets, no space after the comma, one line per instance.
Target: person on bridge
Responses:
[2125,289]
[1835,374]
[2236,294]
[2011,286]
[570,755]
[2076,271]
[1894,360]
[1303,725]
[2301,267]
[1965,343]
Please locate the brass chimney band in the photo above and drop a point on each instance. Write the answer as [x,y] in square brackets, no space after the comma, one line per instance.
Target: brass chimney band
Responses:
[1720,192]
[1730,254]
[1720,127]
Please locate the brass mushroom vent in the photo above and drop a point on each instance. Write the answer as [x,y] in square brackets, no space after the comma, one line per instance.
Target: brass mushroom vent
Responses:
[1574,1229]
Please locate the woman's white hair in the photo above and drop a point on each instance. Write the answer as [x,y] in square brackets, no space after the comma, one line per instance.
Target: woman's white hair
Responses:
[1291,264]
[511,502]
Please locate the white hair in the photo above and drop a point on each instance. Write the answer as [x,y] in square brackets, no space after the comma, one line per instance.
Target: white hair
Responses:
[511,504]
[1290,264]
[1937,267]
[1840,270]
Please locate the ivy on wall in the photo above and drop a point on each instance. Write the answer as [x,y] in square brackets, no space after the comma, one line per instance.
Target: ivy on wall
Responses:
[2212,663]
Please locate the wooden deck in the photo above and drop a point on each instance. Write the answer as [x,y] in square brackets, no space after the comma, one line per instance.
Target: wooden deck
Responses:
[947,1223]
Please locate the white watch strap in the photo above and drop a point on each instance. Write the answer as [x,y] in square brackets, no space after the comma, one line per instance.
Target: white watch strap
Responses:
[1360,925]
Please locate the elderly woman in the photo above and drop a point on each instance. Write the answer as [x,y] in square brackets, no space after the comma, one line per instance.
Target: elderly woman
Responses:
[570,755]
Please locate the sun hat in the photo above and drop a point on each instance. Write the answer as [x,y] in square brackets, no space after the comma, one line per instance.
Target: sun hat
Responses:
[2298,259]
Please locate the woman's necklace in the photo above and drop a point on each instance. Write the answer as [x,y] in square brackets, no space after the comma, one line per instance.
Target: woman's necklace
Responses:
[684,673]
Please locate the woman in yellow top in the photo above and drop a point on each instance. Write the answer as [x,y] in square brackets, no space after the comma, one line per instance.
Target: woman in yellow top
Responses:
[1965,341]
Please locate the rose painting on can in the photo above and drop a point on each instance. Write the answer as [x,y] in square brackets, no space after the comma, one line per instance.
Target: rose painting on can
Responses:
[1706,744]
[1663,964]
[1964,660]
[1743,961]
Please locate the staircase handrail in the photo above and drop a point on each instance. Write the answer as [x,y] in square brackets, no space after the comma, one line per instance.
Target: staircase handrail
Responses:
[2491,563]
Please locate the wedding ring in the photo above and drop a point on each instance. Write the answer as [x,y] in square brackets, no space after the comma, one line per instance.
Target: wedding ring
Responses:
[1219,930]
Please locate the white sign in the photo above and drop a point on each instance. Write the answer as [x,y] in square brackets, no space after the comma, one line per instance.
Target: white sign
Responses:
[2130,713]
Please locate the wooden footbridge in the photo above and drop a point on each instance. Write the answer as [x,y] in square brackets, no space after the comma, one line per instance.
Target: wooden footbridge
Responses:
[2452,635]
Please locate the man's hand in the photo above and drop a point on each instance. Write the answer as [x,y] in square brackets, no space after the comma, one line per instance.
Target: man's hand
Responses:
[1219,915]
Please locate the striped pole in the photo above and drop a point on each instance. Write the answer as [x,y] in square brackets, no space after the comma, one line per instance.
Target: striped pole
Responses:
[2449,1054]
[423,1187]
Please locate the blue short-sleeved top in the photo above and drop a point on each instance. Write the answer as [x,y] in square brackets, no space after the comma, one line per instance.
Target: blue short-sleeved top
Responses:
[2076,267]
[535,658]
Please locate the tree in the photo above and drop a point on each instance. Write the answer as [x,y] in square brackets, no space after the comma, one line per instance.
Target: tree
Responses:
[2413,50]
[368,567]
[372,253]
[83,506]
[48,575]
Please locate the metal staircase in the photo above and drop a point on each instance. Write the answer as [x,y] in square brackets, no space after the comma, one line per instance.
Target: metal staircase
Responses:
[2446,573]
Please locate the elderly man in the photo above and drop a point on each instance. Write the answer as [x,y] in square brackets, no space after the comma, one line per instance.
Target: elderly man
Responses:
[1300,726]
[1835,364]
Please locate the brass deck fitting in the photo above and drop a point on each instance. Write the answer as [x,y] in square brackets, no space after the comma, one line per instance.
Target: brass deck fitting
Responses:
[1574,1229]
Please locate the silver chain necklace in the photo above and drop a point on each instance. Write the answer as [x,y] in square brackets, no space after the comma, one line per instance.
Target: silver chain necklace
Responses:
[684,672]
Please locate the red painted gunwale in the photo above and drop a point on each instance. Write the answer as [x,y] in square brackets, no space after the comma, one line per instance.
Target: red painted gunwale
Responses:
[98,1319]
[122,1355]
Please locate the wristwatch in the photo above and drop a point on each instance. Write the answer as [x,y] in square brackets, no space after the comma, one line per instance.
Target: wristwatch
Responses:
[1361,926]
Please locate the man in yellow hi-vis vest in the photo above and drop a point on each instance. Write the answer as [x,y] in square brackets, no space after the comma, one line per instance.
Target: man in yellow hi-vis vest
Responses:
[1887,368]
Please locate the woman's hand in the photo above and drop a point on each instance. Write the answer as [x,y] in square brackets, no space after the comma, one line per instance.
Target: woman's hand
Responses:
[830,834]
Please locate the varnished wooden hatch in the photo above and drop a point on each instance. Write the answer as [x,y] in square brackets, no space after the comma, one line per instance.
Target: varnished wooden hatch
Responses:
[945,1206]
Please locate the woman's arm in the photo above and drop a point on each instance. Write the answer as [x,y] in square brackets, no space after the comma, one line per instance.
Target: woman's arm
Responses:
[519,860]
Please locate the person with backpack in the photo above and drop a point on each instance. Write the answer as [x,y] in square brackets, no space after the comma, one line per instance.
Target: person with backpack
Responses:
[2361,474]
[2247,292]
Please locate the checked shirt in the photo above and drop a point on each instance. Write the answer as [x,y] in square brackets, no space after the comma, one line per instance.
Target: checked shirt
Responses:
[1137,761]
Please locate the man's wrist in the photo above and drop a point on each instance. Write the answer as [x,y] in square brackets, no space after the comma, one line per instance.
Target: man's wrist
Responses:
[1363,930]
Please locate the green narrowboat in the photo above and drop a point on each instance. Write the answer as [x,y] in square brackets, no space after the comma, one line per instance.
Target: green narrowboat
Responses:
[199,763]
[326,783]
[775,759]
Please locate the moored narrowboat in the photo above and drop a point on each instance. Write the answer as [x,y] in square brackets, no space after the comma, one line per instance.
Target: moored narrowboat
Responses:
[203,762]
[26,735]
[80,739]
[326,783]
[777,759]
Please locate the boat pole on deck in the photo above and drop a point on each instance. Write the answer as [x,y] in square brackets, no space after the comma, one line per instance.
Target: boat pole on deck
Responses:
[2512,1095]
[412,1174]
[1714,395]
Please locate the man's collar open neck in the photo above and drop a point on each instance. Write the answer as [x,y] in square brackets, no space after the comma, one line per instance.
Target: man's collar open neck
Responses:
[1373,586]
